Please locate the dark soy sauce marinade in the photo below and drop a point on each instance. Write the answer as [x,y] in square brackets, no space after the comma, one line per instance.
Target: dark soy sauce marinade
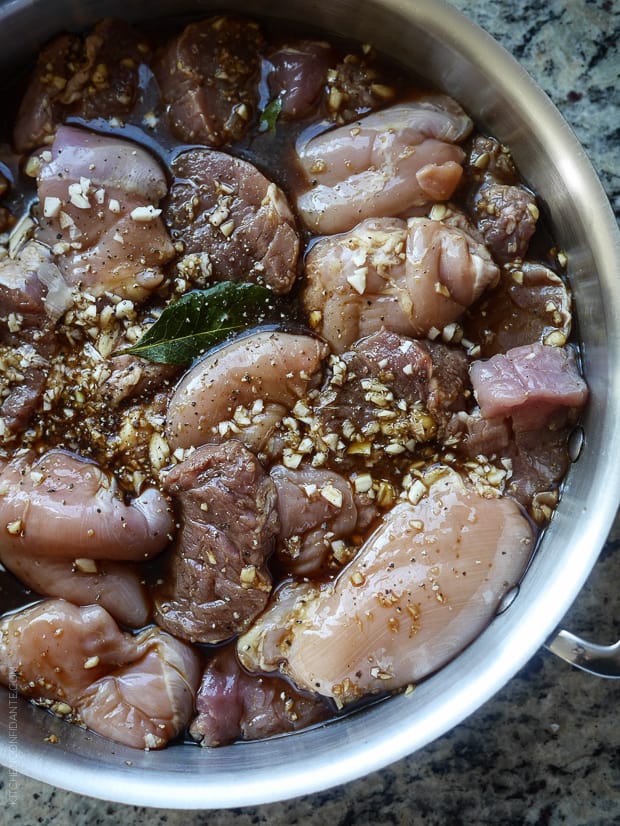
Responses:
[271,150]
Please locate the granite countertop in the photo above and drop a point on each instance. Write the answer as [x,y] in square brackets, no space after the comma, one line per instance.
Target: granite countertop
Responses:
[546,749]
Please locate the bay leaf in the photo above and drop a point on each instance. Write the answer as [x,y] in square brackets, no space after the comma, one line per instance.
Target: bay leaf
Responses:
[201,319]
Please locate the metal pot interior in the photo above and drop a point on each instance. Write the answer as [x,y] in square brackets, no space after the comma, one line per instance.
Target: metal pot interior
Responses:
[461,59]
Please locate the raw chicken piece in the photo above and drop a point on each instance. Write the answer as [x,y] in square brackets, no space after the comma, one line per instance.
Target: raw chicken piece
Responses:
[217,579]
[138,691]
[407,277]
[386,163]
[60,504]
[98,200]
[149,701]
[55,650]
[116,586]
[265,373]
[423,586]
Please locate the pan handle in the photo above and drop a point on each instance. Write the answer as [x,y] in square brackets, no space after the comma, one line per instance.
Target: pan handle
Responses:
[601,660]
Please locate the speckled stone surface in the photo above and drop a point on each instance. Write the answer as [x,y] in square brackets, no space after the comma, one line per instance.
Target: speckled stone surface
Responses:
[546,749]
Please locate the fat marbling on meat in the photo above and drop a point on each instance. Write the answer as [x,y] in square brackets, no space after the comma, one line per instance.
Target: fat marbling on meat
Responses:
[233,218]
[217,579]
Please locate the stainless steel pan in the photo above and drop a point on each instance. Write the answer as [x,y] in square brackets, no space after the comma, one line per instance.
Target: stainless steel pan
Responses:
[468,64]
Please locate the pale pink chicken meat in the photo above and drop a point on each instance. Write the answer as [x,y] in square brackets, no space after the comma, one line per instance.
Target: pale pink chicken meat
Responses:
[136,690]
[55,650]
[60,504]
[384,164]
[118,587]
[405,276]
[149,701]
[423,586]
[98,201]
[265,373]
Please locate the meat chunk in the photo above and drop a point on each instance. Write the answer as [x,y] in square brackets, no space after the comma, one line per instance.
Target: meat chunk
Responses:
[529,384]
[99,213]
[224,208]
[50,665]
[532,462]
[137,690]
[356,86]
[422,587]
[317,511]
[478,436]
[530,399]
[504,211]
[151,700]
[529,304]
[401,157]
[59,504]
[131,377]
[390,392]
[92,77]
[33,291]
[116,586]
[218,579]
[209,78]
[430,373]
[233,705]
[408,277]
[33,296]
[506,215]
[298,75]
[489,161]
[243,389]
